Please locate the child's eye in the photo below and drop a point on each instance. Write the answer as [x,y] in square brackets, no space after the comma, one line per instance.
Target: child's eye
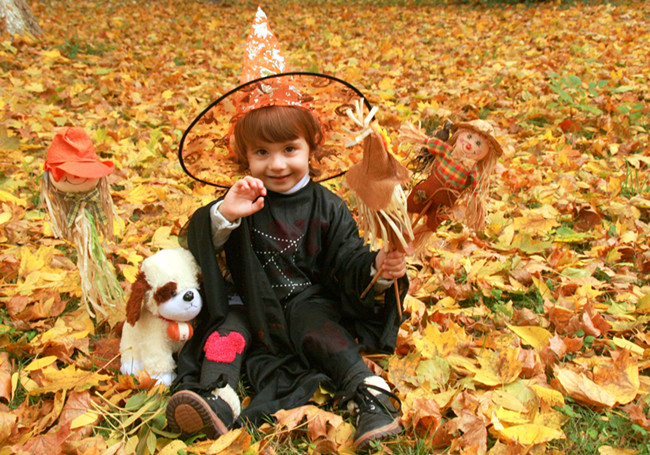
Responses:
[261,152]
[289,149]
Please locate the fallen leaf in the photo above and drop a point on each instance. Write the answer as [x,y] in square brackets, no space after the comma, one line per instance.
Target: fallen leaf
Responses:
[530,434]
[6,389]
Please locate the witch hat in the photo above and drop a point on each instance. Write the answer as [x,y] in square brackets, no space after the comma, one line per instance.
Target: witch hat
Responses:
[205,149]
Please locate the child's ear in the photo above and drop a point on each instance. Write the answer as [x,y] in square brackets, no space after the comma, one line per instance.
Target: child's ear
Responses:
[134,304]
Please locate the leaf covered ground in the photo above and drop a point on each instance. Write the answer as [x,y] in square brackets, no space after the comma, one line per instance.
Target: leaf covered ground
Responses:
[510,332]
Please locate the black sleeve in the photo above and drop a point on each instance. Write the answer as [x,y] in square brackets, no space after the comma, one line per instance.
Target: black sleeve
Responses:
[375,319]
[348,260]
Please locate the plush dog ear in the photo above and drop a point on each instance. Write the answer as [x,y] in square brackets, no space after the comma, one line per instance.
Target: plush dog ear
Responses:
[134,304]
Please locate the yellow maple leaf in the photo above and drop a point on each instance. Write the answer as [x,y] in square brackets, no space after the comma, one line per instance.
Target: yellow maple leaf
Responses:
[497,368]
[52,54]
[162,238]
[537,337]
[40,363]
[69,378]
[549,396]
[174,447]
[130,273]
[8,197]
[508,417]
[541,219]
[609,450]
[436,343]
[234,442]
[581,388]
[530,434]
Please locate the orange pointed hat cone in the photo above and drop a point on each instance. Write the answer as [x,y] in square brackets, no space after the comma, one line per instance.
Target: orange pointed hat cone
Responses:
[263,56]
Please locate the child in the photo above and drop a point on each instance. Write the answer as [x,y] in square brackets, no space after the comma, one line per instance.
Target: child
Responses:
[298,262]
[296,259]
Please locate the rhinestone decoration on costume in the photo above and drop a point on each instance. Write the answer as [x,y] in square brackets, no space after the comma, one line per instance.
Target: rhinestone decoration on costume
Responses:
[277,254]
[205,147]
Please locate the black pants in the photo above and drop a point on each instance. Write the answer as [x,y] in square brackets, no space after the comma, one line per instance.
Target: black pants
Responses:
[317,330]
[226,348]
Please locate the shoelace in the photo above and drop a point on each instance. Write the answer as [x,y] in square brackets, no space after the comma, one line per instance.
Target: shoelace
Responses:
[368,401]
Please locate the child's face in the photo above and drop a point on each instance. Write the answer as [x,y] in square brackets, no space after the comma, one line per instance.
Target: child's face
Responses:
[280,165]
[471,147]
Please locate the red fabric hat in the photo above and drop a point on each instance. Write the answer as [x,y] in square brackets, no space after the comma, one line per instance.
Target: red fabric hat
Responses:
[72,152]
[204,151]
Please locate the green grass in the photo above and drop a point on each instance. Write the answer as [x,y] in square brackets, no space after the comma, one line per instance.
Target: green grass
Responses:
[589,429]
[635,183]
[76,46]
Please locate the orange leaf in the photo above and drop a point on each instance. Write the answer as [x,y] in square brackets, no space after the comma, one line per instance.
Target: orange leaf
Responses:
[78,403]
[6,390]
[636,415]
[581,388]
[474,430]
[48,444]
[426,417]
[612,381]
[7,424]
[318,421]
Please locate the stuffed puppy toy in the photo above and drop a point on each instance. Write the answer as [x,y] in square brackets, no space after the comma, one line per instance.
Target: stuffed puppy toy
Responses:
[164,298]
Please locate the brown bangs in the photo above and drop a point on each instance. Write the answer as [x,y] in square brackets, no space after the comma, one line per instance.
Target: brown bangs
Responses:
[276,124]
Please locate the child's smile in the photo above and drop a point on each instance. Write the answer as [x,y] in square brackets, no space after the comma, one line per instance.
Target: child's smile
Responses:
[280,165]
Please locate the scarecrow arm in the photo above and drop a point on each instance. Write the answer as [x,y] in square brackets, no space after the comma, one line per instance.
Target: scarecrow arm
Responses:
[412,134]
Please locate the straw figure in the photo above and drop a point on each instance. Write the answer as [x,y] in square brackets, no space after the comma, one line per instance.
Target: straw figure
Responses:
[75,191]
[457,175]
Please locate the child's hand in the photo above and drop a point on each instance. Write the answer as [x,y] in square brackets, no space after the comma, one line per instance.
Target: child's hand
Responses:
[391,265]
[244,198]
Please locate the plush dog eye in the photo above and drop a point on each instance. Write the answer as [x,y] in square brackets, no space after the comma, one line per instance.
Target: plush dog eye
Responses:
[165,292]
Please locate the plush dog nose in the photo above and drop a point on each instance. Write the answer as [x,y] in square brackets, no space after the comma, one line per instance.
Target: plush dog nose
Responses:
[188,296]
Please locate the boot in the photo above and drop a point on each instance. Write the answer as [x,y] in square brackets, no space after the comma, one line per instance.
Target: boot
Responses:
[377,416]
[201,410]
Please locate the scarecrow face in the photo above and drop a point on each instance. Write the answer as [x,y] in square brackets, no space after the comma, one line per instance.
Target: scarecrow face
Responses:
[69,183]
[471,147]
[279,165]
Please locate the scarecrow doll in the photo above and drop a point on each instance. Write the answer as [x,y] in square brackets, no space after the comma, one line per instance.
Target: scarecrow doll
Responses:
[77,196]
[457,174]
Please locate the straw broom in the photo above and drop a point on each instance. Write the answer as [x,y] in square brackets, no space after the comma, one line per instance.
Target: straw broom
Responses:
[376,182]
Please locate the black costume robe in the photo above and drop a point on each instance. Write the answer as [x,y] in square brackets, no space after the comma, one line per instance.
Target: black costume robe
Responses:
[324,258]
